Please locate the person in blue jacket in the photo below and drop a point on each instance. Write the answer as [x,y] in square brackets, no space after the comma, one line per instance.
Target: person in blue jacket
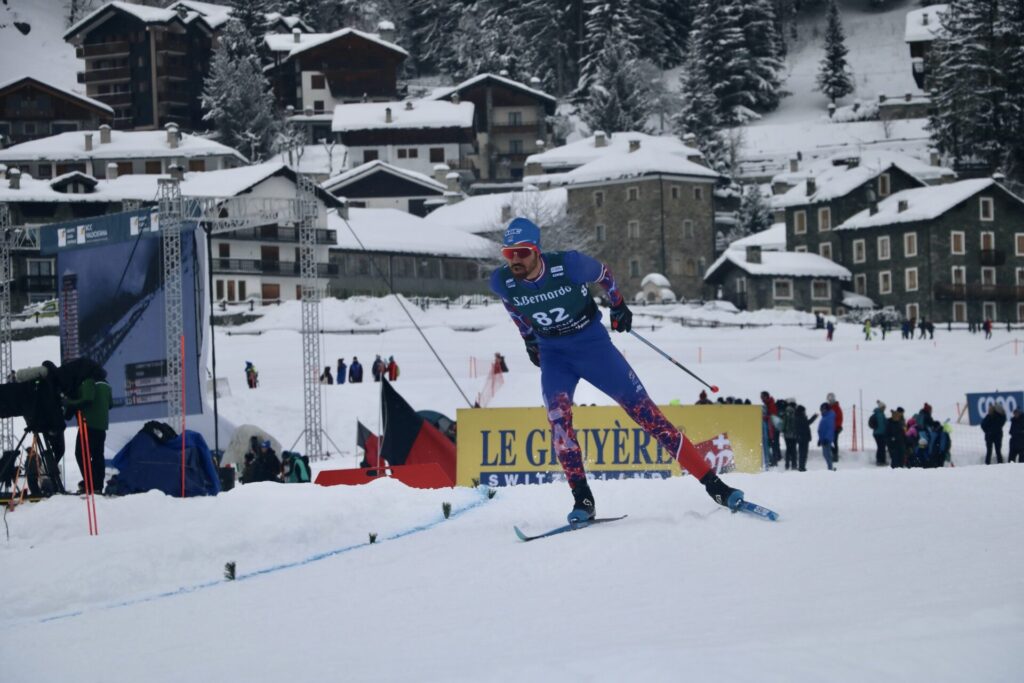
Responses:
[827,432]
[548,298]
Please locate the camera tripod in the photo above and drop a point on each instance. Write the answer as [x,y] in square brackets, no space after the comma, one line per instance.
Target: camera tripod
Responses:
[41,462]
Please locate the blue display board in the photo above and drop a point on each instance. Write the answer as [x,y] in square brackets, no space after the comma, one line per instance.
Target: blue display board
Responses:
[111,290]
[977,404]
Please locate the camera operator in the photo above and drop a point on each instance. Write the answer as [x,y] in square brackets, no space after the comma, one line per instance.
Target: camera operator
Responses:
[92,398]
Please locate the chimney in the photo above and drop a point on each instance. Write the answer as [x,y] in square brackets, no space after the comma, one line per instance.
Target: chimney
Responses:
[812,187]
[104,134]
[999,177]
[600,140]
[690,140]
[794,165]
[872,202]
[455,98]
[753,254]
[387,114]
[924,18]
[454,182]
[343,210]
[933,157]
[111,170]
[88,142]
[902,205]
[296,36]
[634,145]
[308,111]
[853,162]
[386,31]
[533,168]
[441,172]
[408,105]
[176,171]
[881,99]
[172,135]
[289,110]
[907,97]
[182,11]
[506,213]
[14,176]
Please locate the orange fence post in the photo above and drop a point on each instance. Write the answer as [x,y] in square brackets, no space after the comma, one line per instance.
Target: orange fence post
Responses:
[853,446]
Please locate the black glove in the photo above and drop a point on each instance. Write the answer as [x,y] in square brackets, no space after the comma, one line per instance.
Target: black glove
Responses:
[532,349]
[622,318]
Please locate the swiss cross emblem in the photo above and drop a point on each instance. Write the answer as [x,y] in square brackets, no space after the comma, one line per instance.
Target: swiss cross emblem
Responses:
[717,453]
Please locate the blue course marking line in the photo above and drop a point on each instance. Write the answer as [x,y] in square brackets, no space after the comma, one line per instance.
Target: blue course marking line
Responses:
[270,570]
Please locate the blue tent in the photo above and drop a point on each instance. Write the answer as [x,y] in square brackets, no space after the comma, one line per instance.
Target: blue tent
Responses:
[146,463]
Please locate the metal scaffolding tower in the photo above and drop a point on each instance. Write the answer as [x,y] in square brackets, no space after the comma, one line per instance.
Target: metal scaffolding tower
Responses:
[7,440]
[171,212]
[310,292]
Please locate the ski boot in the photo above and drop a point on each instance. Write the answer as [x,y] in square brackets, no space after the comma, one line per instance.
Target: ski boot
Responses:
[722,493]
[583,510]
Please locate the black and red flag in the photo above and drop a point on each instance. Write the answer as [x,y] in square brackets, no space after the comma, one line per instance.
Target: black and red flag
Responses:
[408,439]
[370,444]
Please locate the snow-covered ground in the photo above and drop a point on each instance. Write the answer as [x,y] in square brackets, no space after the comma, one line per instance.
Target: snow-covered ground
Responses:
[872,574]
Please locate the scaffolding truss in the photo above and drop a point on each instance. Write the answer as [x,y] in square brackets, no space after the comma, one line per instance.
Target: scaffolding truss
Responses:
[171,214]
[6,277]
[310,292]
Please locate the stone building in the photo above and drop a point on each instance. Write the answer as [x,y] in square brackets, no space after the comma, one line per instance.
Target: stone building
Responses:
[948,253]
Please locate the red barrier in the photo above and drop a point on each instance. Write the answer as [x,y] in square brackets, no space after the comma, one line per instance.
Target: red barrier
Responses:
[425,476]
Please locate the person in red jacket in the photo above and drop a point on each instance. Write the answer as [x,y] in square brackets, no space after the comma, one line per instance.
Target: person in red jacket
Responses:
[392,369]
[834,407]
[771,417]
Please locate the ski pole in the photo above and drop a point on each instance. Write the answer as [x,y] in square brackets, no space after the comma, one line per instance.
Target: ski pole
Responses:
[713,388]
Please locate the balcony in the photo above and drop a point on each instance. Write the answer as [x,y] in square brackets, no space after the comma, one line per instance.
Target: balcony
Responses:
[122,73]
[171,46]
[174,72]
[509,129]
[992,257]
[945,291]
[119,48]
[269,267]
[273,233]
[114,99]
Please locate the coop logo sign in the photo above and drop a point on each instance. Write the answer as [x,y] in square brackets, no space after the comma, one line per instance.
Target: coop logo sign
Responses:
[978,404]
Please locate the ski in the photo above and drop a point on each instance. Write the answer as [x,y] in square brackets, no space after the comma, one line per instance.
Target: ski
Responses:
[568,527]
[755,509]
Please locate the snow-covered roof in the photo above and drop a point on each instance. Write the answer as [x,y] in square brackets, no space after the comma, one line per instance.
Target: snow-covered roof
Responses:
[446,92]
[625,164]
[782,264]
[422,114]
[145,13]
[285,42]
[656,280]
[124,144]
[575,154]
[922,203]
[376,165]
[924,23]
[214,15]
[322,160]
[483,213]
[832,182]
[70,93]
[854,300]
[875,158]
[391,230]
[772,239]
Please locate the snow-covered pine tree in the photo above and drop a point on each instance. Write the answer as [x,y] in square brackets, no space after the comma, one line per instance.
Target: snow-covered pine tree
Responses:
[236,95]
[252,15]
[717,47]
[755,214]
[699,116]
[620,21]
[764,71]
[966,84]
[433,25]
[620,98]
[547,26]
[1010,32]
[835,78]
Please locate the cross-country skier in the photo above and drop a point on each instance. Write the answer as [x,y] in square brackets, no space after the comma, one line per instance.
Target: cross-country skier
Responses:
[547,297]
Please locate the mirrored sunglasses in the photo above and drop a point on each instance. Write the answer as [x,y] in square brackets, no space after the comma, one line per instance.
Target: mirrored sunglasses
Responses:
[520,253]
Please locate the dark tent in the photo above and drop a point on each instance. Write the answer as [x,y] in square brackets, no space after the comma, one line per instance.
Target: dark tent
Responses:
[145,463]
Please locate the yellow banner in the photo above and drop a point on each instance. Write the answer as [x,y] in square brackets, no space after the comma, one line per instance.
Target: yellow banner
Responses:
[509,446]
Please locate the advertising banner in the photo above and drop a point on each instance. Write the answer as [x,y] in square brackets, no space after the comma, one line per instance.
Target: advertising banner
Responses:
[510,446]
[111,288]
[977,404]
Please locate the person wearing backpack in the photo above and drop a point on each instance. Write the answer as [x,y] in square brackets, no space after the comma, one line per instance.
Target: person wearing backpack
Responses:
[827,433]
[879,428]
[295,469]
[789,433]
[1016,453]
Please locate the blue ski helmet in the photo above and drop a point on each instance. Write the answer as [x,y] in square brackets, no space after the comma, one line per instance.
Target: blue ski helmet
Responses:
[521,230]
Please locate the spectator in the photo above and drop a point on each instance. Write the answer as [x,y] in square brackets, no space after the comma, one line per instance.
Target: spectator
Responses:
[392,369]
[789,433]
[326,377]
[992,425]
[896,434]
[249,469]
[905,329]
[355,371]
[803,436]
[340,375]
[923,326]
[987,327]
[931,330]
[499,363]
[819,322]
[378,368]
[885,328]
[703,400]
[827,433]
[879,428]
[770,415]
[867,330]
[293,468]
[834,406]
[924,417]
[829,331]
[252,378]
[268,467]
[1016,453]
